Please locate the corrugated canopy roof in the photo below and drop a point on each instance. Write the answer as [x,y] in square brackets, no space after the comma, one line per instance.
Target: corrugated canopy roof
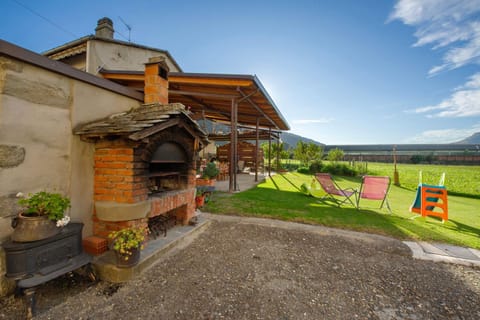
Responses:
[209,96]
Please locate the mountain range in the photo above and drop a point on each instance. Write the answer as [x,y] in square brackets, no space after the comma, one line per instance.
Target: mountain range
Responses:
[473,139]
[290,140]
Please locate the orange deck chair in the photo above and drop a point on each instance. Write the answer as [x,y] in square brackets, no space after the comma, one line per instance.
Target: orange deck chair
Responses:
[332,189]
[374,188]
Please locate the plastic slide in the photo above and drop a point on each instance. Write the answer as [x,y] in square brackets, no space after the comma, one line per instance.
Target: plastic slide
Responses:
[429,197]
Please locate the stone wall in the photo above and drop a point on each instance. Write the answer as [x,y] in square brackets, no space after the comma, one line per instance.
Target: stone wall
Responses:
[124,58]
[39,108]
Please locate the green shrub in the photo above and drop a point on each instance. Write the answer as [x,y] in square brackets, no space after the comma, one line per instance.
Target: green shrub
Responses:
[45,203]
[305,189]
[316,166]
[210,171]
[291,166]
[340,169]
[416,158]
[303,170]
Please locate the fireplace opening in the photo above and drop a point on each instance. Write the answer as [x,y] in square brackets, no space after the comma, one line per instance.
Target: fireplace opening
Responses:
[168,169]
[158,225]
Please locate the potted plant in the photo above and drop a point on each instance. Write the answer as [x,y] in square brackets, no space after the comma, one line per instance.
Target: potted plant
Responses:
[208,175]
[127,244]
[199,197]
[42,217]
[210,171]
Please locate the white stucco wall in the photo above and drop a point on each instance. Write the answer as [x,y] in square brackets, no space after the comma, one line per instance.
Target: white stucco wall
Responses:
[38,110]
[113,56]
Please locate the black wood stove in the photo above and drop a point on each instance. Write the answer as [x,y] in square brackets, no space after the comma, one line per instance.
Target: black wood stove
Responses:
[34,263]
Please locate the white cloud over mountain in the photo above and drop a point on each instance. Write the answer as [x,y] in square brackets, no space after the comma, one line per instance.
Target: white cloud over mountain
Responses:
[443,135]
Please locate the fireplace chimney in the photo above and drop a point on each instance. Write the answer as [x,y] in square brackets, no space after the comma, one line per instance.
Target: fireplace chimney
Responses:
[156,81]
[104,28]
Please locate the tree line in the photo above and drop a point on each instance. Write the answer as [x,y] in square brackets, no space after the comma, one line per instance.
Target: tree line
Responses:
[306,153]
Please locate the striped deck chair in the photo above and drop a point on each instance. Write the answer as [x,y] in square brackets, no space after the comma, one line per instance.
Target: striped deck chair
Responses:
[332,189]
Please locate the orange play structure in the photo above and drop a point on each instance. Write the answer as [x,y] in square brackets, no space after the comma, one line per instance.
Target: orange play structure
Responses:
[432,197]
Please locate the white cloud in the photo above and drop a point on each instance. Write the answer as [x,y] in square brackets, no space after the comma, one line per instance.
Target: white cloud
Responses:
[453,26]
[464,102]
[473,83]
[443,135]
[444,24]
[310,121]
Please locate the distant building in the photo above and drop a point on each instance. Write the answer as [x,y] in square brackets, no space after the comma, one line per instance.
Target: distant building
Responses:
[412,153]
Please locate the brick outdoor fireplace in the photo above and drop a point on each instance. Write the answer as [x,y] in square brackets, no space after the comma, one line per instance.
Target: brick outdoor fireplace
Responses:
[144,160]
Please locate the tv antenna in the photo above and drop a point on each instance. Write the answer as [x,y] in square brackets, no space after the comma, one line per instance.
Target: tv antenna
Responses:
[126,25]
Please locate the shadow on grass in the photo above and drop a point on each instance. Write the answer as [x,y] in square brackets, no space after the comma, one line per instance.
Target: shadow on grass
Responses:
[275,184]
[460,227]
[289,181]
[295,206]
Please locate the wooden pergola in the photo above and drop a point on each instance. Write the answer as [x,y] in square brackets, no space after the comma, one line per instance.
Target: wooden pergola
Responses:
[240,100]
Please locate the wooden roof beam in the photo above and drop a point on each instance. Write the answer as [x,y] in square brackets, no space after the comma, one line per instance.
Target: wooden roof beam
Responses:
[206,106]
[124,76]
[203,94]
[247,98]
[200,79]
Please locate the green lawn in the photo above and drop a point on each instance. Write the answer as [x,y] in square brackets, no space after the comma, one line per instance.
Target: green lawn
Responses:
[460,180]
[280,198]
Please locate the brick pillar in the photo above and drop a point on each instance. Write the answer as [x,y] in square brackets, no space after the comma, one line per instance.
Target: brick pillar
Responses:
[119,175]
[156,81]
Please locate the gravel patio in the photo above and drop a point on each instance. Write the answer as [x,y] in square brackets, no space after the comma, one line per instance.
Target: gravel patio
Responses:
[239,269]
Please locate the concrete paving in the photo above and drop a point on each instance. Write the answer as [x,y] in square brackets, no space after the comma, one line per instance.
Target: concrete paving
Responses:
[156,249]
[245,181]
[444,253]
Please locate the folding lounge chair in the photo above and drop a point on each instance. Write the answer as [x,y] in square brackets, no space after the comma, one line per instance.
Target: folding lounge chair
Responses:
[374,188]
[332,189]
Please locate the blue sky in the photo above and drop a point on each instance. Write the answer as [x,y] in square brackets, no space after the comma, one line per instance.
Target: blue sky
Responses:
[341,72]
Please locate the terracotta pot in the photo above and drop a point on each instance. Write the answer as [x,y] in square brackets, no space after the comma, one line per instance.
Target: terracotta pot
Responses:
[128,260]
[205,182]
[200,201]
[28,229]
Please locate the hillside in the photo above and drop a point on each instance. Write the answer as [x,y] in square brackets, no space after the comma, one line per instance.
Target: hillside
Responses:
[290,140]
[473,139]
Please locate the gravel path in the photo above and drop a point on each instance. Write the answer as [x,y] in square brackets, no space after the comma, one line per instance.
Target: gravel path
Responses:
[239,270]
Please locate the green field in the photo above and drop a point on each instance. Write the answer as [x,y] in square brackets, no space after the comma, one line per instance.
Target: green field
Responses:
[459,180]
[280,198]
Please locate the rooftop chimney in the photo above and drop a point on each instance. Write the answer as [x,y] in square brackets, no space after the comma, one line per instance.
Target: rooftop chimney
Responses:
[104,28]
[156,81]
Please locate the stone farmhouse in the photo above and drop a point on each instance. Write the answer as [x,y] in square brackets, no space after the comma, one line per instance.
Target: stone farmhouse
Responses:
[111,124]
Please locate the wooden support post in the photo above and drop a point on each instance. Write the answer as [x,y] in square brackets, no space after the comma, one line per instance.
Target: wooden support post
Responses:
[396,178]
[233,147]
[256,150]
[269,152]
[278,154]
